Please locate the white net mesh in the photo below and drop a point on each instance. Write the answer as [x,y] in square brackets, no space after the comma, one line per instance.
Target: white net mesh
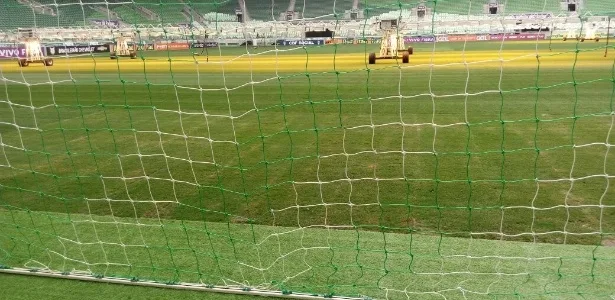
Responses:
[247,155]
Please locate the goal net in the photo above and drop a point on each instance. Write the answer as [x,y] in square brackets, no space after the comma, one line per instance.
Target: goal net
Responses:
[255,147]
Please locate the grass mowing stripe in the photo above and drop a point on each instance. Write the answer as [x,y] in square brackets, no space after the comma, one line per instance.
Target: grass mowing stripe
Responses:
[493,261]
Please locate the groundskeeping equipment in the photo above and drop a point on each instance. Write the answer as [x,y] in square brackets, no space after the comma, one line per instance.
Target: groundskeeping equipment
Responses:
[590,34]
[32,46]
[123,48]
[393,45]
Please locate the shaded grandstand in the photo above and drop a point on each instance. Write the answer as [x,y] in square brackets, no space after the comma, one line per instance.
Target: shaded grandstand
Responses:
[65,13]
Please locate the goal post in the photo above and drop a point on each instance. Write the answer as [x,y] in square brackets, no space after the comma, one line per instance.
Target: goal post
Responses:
[226,150]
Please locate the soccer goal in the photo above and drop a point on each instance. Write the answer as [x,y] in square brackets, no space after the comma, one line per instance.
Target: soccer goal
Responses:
[480,166]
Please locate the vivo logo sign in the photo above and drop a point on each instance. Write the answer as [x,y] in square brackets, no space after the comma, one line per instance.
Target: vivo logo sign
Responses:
[6,52]
[12,52]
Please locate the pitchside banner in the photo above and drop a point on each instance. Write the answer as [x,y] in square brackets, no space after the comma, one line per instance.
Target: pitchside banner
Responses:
[6,52]
[12,52]
[340,41]
[204,45]
[142,47]
[518,37]
[64,50]
[476,37]
[172,46]
[303,42]
[106,23]
[419,39]
[368,40]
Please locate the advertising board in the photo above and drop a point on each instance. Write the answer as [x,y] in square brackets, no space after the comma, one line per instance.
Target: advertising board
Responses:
[303,42]
[204,45]
[64,50]
[6,52]
[419,39]
[12,52]
[142,47]
[462,38]
[442,38]
[480,37]
[518,37]
[106,23]
[368,40]
[171,46]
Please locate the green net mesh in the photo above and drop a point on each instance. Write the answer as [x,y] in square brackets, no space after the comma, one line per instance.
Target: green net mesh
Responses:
[244,155]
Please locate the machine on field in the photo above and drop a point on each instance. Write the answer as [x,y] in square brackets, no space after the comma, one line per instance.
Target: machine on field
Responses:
[123,47]
[32,49]
[571,34]
[590,34]
[393,44]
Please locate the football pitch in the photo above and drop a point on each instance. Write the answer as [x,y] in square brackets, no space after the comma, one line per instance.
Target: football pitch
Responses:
[478,169]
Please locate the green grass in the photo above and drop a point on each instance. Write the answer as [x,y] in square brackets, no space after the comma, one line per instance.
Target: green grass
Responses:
[31,287]
[213,191]
[319,261]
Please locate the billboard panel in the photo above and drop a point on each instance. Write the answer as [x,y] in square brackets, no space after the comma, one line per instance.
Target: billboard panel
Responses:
[64,50]
[518,37]
[7,52]
[462,38]
[419,39]
[303,42]
[172,46]
[106,23]
[204,45]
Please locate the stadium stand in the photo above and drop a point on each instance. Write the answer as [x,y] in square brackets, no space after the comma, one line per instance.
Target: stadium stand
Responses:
[212,9]
[323,8]
[171,13]
[476,7]
[165,11]
[266,11]
[598,7]
[128,14]
[97,15]
[213,12]
[223,11]
[58,14]
[532,6]
[377,8]
[71,15]
[14,14]
[456,7]
[68,13]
